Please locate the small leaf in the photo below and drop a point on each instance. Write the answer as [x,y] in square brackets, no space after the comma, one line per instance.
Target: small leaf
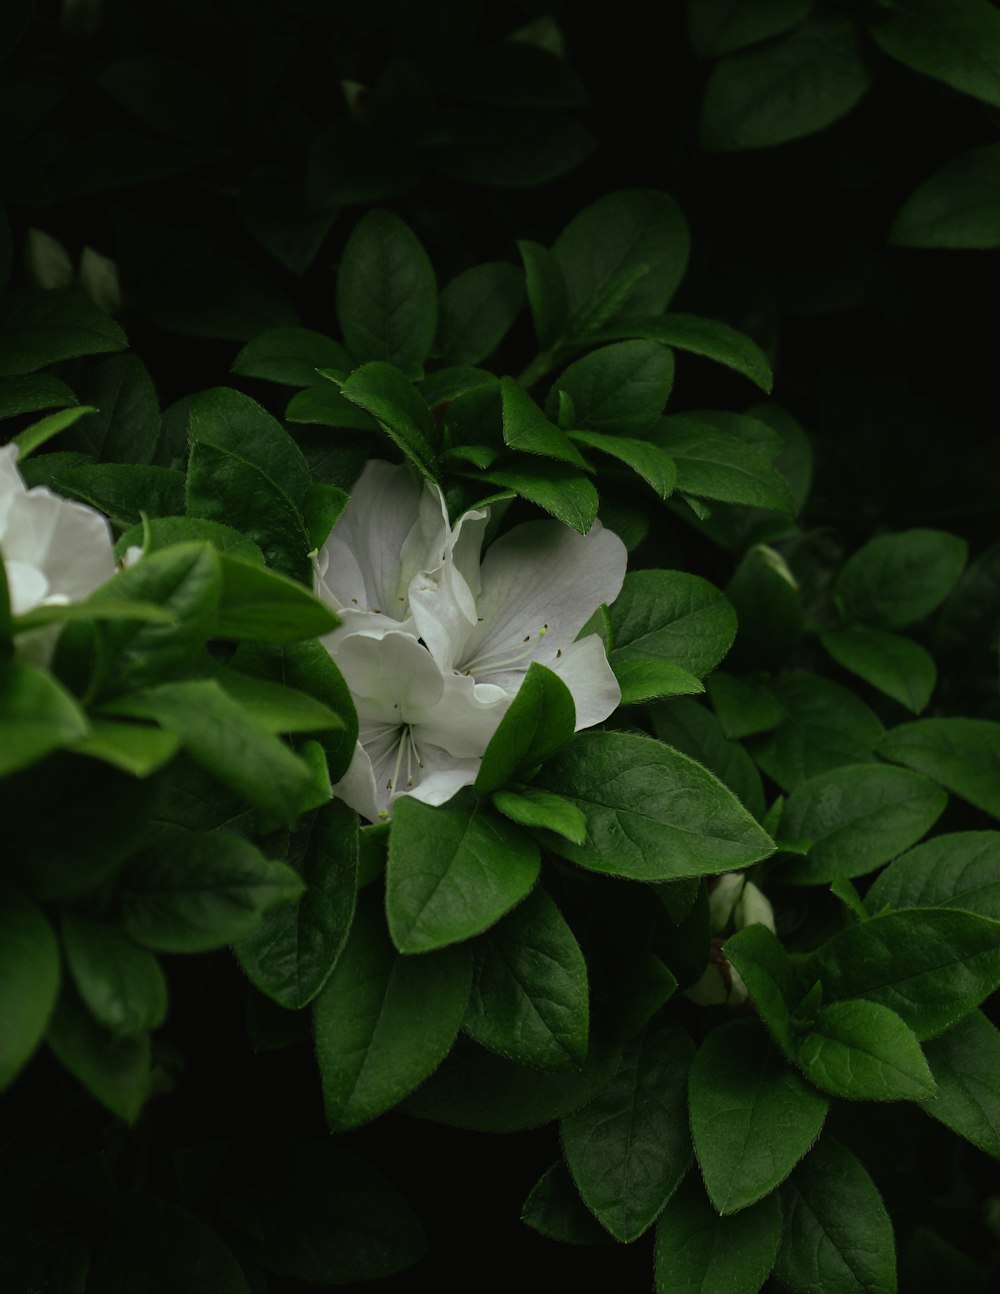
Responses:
[962,755]
[700,336]
[554,487]
[29,981]
[865,1052]
[554,1209]
[965,1062]
[290,356]
[717,27]
[768,973]
[121,984]
[526,428]
[671,616]
[477,308]
[620,389]
[534,808]
[957,870]
[700,1252]
[41,328]
[546,289]
[958,206]
[259,605]
[956,46]
[715,464]
[648,461]
[540,720]
[37,716]
[384,392]
[895,580]
[114,1070]
[33,437]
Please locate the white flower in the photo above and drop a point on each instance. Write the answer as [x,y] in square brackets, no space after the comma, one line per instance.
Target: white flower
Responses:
[434,645]
[54,551]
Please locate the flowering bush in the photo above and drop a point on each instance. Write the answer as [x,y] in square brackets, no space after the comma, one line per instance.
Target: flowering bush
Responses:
[447,688]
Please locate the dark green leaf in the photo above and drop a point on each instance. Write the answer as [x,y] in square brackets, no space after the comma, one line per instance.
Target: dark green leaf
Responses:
[620,389]
[386,293]
[133,747]
[161,532]
[477,309]
[965,1062]
[127,426]
[717,27]
[534,808]
[895,580]
[554,487]
[384,392]
[290,356]
[283,221]
[529,998]
[40,328]
[958,206]
[526,428]
[962,755]
[124,490]
[752,1116]
[42,431]
[230,421]
[635,236]
[121,984]
[259,605]
[554,1209]
[837,1235]
[453,871]
[768,973]
[856,818]
[652,813]
[700,336]
[324,406]
[546,289]
[177,99]
[646,460]
[768,606]
[29,981]
[694,731]
[929,965]
[958,870]
[743,706]
[114,1070]
[671,616]
[350,162]
[37,716]
[629,1147]
[700,1252]
[790,87]
[33,393]
[517,148]
[540,720]
[192,891]
[649,680]
[715,464]
[865,1052]
[384,1021]
[957,44]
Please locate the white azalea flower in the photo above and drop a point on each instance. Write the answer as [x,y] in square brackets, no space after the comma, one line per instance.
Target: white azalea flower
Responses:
[434,644]
[54,551]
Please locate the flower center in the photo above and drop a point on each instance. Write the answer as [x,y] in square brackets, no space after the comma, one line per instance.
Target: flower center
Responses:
[494,662]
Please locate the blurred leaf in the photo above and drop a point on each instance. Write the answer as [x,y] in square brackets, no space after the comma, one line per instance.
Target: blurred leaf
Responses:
[957,206]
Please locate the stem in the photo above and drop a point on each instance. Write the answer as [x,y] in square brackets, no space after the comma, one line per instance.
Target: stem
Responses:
[542,364]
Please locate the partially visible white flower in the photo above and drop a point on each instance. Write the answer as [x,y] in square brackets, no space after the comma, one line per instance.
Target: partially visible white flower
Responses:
[421,732]
[54,551]
[734,902]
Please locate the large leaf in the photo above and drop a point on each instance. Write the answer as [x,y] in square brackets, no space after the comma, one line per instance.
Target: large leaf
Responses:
[965,1062]
[752,1116]
[290,356]
[121,984]
[895,665]
[895,580]
[956,43]
[699,1251]
[37,717]
[384,1021]
[114,1069]
[929,965]
[694,730]
[865,1052]
[453,871]
[958,206]
[540,720]
[40,328]
[671,616]
[29,981]
[382,390]
[957,870]
[960,754]
[620,389]
[717,27]
[476,310]
[713,463]
[629,1147]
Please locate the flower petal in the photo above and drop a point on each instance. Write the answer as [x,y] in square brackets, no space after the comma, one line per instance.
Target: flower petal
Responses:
[393,678]
[442,776]
[584,668]
[541,582]
[465,719]
[357,787]
[70,543]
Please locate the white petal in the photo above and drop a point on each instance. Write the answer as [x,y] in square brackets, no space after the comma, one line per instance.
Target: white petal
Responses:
[392,677]
[69,542]
[11,484]
[357,787]
[442,776]
[465,719]
[26,585]
[541,582]
[583,667]
[444,612]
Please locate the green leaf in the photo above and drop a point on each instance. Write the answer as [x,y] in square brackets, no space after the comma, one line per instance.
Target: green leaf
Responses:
[717,27]
[554,1209]
[290,356]
[292,952]
[184,581]
[193,891]
[386,293]
[837,1235]
[929,965]
[856,818]
[620,389]
[37,716]
[743,706]
[220,736]
[540,720]
[384,392]
[965,1062]
[33,393]
[477,309]
[649,680]
[752,1116]
[133,747]
[825,727]
[715,464]
[384,1021]
[895,580]
[956,44]
[534,808]
[41,328]
[767,971]
[127,427]
[453,871]
[314,1211]
[648,461]
[284,222]
[512,148]
[768,605]
[652,813]
[275,707]
[174,98]
[230,421]
[629,1147]
[700,1252]
[793,86]
[479,1090]
[529,999]
[694,731]
[159,1248]
[671,616]
[555,487]
[958,206]
[114,1070]
[29,981]
[707,337]
[958,870]
[962,755]
[546,290]
[324,406]
[526,428]
[121,984]
[161,532]
[124,490]
[865,1052]
[263,606]
[633,237]
[33,437]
